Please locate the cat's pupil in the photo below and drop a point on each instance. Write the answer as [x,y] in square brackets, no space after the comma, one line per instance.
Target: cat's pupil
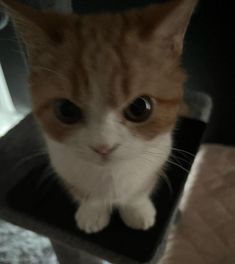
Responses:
[139,110]
[67,112]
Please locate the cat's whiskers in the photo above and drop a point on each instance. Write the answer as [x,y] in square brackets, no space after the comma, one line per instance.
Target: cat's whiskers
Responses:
[180,159]
[177,165]
[81,151]
[38,67]
[184,152]
[158,155]
[164,176]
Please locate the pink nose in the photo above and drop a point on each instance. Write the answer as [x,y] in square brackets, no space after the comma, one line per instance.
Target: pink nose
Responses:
[104,150]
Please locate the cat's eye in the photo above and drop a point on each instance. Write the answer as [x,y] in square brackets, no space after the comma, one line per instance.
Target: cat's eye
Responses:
[67,112]
[139,110]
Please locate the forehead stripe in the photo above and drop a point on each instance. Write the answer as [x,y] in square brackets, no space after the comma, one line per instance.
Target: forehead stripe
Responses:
[168,102]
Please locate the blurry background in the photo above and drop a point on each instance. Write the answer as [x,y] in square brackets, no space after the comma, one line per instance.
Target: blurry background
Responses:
[14,101]
[14,97]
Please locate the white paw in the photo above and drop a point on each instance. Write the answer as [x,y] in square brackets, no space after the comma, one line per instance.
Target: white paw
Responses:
[92,219]
[140,215]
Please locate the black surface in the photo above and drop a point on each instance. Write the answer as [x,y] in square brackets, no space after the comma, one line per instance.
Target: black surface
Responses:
[91,6]
[41,196]
[209,59]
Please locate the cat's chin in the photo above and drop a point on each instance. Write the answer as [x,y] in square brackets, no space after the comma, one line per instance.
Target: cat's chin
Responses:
[106,161]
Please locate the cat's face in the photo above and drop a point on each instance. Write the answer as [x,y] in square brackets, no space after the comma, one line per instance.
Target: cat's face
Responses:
[106,86]
[109,91]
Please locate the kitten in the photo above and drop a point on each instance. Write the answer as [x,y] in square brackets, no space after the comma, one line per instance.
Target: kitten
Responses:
[106,90]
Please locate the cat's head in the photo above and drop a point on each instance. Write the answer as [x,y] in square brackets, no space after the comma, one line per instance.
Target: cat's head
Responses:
[106,86]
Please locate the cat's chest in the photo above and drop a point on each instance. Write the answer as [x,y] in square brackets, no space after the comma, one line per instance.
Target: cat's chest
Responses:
[113,182]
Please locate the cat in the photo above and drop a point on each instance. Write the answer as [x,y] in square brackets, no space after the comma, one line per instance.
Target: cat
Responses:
[106,90]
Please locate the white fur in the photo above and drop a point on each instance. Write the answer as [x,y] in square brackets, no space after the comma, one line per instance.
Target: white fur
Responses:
[119,181]
[139,214]
[92,218]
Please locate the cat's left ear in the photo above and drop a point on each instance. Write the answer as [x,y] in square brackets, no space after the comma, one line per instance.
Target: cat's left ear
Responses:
[167,23]
[36,28]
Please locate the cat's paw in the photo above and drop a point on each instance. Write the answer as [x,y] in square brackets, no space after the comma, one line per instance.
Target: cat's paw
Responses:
[92,219]
[139,215]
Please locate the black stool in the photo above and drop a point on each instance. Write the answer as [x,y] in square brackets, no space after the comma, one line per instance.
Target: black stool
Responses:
[32,197]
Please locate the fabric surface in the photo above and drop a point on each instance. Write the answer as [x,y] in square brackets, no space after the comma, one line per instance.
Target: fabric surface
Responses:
[206,231]
[18,246]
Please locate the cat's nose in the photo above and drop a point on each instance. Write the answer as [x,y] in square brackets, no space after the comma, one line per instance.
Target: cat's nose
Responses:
[104,150]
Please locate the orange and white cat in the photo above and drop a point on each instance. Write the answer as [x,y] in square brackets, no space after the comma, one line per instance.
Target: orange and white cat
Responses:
[106,91]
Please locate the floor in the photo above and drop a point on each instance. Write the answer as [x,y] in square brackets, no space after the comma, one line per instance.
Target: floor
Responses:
[19,246]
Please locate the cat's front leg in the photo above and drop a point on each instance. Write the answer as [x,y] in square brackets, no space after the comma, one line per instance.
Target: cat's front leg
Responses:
[92,217]
[139,213]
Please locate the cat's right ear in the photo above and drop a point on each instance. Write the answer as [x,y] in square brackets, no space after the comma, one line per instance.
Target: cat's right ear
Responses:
[165,23]
[36,28]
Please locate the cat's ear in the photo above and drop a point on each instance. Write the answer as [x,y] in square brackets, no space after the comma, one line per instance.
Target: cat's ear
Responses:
[36,28]
[167,22]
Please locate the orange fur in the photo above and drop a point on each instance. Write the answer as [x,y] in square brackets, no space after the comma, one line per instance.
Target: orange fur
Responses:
[124,55]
